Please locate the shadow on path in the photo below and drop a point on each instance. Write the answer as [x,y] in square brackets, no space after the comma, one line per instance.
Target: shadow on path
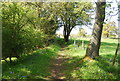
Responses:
[57,67]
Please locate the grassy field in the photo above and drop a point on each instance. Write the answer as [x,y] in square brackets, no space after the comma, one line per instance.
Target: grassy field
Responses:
[36,65]
[101,68]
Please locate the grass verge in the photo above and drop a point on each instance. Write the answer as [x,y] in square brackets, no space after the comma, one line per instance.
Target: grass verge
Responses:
[31,66]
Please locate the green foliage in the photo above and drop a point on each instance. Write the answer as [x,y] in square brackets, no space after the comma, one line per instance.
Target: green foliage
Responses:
[70,14]
[31,38]
[18,35]
[12,18]
[32,24]
[82,32]
[110,29]
[43,17]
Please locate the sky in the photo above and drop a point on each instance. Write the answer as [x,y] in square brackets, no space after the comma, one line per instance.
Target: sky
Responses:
[88,29]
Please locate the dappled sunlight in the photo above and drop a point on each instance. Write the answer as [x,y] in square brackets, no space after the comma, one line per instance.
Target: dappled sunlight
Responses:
[77,67]
[64,61]
[31,66]
[25,70]
[38,42]
[88,70]
[87,58]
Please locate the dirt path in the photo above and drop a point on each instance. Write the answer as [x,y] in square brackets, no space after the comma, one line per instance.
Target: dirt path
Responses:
[58,67]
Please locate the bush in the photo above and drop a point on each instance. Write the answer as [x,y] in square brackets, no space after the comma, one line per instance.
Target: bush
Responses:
[15,44]
[18,34]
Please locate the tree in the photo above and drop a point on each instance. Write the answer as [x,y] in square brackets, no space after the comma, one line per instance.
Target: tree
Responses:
[109,29]
[92,50]
[13,18]
[45,18]
[72,14]
[82,32]
[18,34]
[51,16]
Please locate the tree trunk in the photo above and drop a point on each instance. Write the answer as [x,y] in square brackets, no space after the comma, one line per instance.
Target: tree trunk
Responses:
[10,59]
[66,38]
[66,33]
[93,48]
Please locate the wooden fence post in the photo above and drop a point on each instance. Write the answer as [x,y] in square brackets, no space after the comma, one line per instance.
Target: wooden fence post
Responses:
[78,43]
[115,54]
[83,44]
[74,42]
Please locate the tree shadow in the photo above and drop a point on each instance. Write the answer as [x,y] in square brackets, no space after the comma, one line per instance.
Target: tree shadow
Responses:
[36,65]
[74,66]
[105,63]
[70,65]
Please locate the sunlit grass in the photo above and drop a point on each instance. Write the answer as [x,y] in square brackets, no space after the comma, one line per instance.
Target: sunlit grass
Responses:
[31,66]
[36,65]
[101,68]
